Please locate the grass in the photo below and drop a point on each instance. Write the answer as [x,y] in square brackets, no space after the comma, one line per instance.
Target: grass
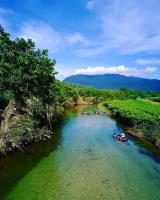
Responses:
[144,115]
[102,107]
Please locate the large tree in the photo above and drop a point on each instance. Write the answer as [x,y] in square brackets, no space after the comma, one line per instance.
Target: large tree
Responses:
[24,70]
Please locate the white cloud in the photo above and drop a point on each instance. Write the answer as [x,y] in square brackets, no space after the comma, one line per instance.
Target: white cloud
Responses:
[46,37]
[129,26]
[121,69]
[75,38]
[151,61]
[42,34]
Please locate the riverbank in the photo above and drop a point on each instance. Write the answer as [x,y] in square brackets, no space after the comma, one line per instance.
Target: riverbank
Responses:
[140,117]
[19,127]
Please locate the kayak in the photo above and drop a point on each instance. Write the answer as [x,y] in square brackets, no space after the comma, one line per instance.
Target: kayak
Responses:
[97,113]
[86,113]
[118,137]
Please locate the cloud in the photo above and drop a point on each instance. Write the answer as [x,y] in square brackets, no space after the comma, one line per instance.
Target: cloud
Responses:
[128,26]
[42,34]
[121,69]
[46,37]
[76,38]
[151,61]
[91,4]
[90,51]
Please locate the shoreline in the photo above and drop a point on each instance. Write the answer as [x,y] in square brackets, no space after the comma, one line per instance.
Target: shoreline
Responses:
[48,134]
[130,130]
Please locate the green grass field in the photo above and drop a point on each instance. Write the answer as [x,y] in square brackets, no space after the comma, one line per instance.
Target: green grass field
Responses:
[144,115]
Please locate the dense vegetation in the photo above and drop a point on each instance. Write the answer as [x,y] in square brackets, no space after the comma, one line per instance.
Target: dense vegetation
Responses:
[31,99]
[115,81]
[143,115]
[74,91]
[27,77]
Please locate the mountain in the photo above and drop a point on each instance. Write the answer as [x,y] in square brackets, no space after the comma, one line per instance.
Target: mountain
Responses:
[115,81]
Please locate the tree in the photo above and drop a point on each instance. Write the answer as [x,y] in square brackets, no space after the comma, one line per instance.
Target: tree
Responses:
[24,70]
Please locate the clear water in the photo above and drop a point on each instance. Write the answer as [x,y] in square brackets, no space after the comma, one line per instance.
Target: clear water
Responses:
[83,162]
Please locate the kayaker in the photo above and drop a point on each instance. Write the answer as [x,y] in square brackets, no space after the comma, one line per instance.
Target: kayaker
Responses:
[97,113]
[122,136]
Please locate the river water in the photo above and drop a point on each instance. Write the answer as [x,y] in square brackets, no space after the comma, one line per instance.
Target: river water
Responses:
[82,162]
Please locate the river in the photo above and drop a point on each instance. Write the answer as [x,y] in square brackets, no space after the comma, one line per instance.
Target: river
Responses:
[82,162]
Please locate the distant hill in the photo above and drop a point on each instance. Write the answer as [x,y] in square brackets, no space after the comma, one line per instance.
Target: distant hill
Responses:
[115,81]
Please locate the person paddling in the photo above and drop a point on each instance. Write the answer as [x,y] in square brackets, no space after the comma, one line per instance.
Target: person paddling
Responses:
[122,136]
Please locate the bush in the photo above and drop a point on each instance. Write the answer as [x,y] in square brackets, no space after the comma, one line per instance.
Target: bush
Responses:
[23,130]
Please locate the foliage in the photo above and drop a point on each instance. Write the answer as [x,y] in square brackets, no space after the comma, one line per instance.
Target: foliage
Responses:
[36,109]
[5,97]
[22,130]
[143,114]
[74,91]
[28,71]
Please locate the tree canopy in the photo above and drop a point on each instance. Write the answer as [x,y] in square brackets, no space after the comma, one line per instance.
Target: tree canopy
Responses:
[24,70]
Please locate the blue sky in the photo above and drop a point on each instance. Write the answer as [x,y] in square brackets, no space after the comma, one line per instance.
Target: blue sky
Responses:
[90,36]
